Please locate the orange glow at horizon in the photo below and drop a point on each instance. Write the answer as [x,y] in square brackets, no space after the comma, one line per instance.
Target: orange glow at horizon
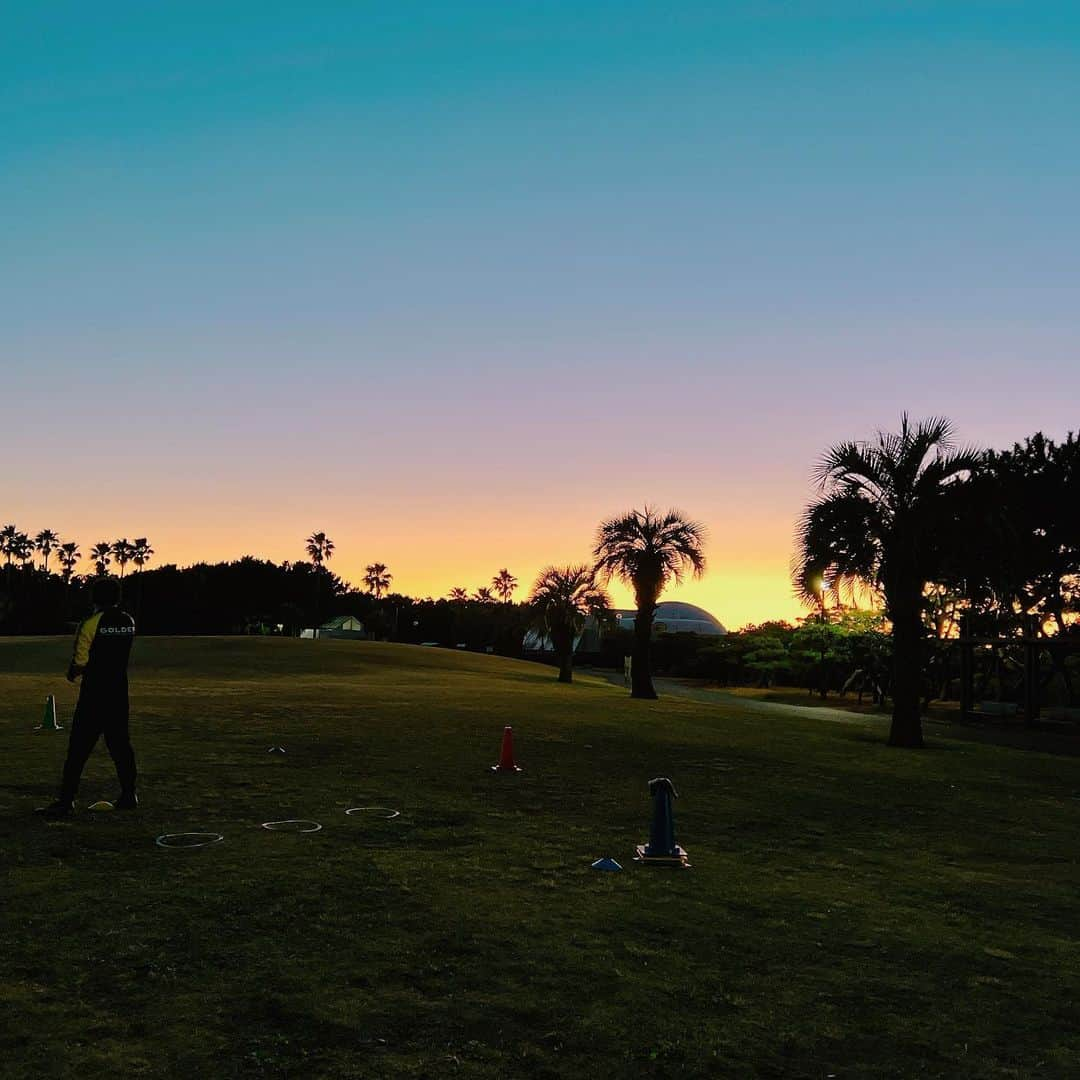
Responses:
[434,552]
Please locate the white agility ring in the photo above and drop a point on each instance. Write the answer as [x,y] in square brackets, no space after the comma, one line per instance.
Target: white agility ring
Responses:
[387,812]
[202,839]
[292,824]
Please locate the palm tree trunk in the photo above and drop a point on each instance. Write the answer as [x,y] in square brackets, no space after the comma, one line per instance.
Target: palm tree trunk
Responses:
[641,684]
[906,729]
[566,667]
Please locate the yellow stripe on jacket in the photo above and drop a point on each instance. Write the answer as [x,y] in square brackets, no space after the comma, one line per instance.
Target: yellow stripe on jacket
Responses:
[84,638]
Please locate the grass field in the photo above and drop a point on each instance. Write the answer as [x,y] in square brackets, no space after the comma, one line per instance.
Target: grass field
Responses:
[852,911]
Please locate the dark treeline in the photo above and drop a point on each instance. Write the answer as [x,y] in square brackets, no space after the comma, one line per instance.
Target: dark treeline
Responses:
[1013,546]
[989,541]
[257,596]
[947,540]
[1000,548]
[846,652]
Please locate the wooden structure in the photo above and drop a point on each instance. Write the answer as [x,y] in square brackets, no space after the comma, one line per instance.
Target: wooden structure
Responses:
[1031,644]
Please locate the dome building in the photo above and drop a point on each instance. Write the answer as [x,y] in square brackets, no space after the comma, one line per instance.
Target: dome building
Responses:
[672,617]
[677,617]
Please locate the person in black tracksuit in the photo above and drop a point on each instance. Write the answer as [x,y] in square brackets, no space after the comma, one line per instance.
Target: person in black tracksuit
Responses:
[100,657]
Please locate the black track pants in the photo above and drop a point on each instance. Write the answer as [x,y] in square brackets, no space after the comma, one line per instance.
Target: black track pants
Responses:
[96,715]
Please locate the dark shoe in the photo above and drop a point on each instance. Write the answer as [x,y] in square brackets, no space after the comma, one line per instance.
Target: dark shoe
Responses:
[56,811]
[127,801]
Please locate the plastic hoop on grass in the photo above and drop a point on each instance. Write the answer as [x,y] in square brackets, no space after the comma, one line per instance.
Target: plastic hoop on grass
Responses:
[188,841]
[297,825]
[385,811]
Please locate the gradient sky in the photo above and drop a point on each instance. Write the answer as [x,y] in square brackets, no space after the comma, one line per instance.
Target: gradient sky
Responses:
[453,281]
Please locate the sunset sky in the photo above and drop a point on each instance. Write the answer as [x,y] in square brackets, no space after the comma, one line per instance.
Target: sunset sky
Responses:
[452,281]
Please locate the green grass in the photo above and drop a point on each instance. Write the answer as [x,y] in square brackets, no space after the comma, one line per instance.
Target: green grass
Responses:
[852,910]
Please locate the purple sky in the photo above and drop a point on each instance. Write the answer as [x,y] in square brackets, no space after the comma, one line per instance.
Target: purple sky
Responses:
[453,282]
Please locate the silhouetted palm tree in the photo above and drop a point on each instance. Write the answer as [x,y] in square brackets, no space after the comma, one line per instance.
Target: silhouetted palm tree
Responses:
[458,594]
[483,595]
[320,548]
[123,551]
[9,546]
[45,542]
[377,579]
[884,507]
[68,554]
[23,548]
[646,550]
[504,583]
[7,543]
[562,598]
[141,552]
[101,553]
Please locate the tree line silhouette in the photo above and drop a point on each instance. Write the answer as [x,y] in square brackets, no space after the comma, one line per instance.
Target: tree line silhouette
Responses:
[909,539]
[941,535]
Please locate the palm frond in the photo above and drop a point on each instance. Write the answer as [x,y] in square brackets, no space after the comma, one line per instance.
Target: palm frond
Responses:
[646,549]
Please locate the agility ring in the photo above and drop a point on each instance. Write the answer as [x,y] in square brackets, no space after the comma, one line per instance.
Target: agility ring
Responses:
[387,813]
[188,840]
[295,825]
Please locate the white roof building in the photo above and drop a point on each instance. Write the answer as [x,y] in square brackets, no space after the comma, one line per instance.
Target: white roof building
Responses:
[677,617]
[672,617]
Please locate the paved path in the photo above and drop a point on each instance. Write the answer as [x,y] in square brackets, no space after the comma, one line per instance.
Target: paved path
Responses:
[1050,742]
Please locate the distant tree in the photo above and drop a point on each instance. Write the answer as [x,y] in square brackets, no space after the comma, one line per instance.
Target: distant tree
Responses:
[377,579]
[458,594]
[768,650]
[504,583]
[45,542]
[9,545]
[1021,551]
[320,549]
[101,553]
[870,654]
[562,598]
[8,535]
[23,548]
[647,550]
[884,508]
[818,648]
[484,596]
[123,551]
[69,555]
[141,552]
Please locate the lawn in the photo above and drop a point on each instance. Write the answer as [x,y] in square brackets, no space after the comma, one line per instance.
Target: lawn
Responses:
[852,911]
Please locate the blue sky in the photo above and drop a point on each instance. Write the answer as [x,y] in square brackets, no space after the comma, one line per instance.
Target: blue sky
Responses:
[487,245]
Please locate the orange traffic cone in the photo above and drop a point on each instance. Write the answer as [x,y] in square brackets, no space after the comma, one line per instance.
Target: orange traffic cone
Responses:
[506,758]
